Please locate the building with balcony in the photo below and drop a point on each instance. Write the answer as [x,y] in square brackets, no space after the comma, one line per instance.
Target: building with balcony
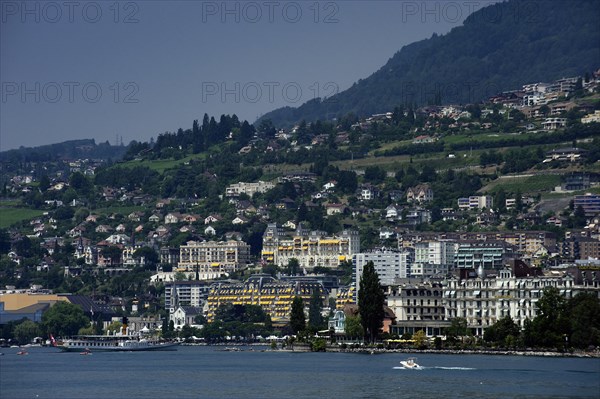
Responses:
[310,248]
[274,296]
[476,202]
[513,292]
[488,255]
[212,259]
[389,265]
[234,190]
[589,202]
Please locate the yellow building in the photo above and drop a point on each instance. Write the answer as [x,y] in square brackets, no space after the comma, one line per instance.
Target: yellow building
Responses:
[275,297]
[311,249]
[345,296]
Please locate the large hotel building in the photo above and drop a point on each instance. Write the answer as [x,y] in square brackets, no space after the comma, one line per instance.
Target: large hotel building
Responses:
[213,259]
[310,248]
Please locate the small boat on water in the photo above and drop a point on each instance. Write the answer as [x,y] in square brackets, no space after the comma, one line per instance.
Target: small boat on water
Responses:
[410,363]
[22,353]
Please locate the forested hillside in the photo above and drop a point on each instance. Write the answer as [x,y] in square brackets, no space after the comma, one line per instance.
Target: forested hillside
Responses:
[499,47]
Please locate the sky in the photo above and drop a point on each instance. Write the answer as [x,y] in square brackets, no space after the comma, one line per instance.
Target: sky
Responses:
[131,70]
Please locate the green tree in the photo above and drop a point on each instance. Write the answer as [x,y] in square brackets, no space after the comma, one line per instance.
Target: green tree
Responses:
[458,328]
[26,331]
[501,330]
[371,300]
[44,183]
[293,267]
[551,323]
[353,327]
[420,339]
[64,319]
[584,311]
[315,318]
[297,319]
[114,327]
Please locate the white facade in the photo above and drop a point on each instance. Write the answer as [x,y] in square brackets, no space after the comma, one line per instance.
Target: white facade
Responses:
[432,257]
[250,189]
[388,265]
[417,302]
[482,302]
[590,118]
[185,293]
[213,259]
[475,202]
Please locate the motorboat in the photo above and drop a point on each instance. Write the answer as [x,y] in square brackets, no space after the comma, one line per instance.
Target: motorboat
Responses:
[410,363]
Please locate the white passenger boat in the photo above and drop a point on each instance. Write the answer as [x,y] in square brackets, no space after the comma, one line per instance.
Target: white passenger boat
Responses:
[113,343]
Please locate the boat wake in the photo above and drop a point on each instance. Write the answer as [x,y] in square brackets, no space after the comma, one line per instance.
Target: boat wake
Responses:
[436,368]
[451,368]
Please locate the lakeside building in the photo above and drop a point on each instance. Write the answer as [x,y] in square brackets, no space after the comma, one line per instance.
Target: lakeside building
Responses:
[345,296]
[418,307]
[274,296]
[32,303]
[484,299]
[310,248]
[389,265]
[212,259]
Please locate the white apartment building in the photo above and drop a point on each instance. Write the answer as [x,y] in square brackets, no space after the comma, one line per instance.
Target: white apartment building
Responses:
[589,118]
[211,259]
[476,202]
[389,265]
[432,257]
[554,123]
[234,190]
[185,293]
[483,301]
[417,302]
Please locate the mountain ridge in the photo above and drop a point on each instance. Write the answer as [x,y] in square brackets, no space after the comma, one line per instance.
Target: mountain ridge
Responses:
[498,48]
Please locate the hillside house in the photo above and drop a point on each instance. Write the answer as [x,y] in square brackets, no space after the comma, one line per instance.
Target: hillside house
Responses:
[420,194]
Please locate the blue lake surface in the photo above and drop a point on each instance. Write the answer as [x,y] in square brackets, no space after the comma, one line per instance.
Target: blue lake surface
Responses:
[209,372]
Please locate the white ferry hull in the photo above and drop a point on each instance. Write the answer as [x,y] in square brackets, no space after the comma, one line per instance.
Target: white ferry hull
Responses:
[115,346]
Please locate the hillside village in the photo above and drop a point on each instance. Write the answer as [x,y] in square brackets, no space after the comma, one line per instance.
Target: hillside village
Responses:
[469,211]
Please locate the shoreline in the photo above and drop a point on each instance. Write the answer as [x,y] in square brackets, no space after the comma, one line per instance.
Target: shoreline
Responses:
[500,352]
[591,355]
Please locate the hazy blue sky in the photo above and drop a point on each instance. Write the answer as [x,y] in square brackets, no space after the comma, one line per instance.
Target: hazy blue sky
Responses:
[72,70]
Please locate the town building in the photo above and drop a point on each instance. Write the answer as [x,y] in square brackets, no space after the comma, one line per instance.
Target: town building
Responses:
[514,292]
[589,202]
[433,258]
[418,307]
[185,293]
[310,248]
[488,255]
[234,190]
[274,296]
[476,202]
[591,118]
[389,265]
[420,193]
[212,259]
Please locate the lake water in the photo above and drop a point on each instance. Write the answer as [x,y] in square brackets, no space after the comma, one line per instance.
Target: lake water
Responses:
[209,372]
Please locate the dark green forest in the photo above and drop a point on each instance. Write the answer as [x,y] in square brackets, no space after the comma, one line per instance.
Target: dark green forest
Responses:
[498,48]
